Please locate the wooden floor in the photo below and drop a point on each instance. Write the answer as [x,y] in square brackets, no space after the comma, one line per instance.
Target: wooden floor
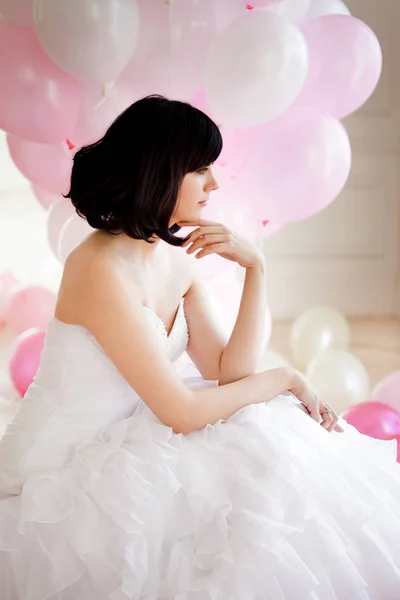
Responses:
[376,342]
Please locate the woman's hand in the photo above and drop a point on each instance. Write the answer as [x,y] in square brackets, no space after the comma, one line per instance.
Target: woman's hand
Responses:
[313,402]
[215,238]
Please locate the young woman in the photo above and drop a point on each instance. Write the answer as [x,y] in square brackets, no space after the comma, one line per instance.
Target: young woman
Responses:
[120,479]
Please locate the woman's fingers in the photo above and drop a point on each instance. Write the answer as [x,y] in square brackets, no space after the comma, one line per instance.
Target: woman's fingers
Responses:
[327,420]
[205,240]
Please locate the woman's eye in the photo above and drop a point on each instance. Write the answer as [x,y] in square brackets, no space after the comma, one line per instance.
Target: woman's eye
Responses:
[203,171]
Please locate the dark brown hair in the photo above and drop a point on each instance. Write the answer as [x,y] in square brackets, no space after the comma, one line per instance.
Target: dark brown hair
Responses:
[129,180]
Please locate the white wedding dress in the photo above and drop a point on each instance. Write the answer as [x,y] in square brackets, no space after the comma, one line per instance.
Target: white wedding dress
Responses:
[100,500]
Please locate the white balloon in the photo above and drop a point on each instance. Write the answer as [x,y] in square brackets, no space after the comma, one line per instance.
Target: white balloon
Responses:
[16,12]
[73,233]
[90,39]
[340,378]
[316,330]
[319,8]
[226,11]
[58,214]
[292,10]
[255,69]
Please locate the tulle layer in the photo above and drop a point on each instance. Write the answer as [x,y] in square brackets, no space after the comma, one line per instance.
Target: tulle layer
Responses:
[264,506]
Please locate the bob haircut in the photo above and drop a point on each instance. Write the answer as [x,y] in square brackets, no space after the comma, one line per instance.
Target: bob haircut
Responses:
[128,181]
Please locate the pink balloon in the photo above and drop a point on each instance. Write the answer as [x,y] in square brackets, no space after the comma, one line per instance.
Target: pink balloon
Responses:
[345,64]
[16,12]
[8,283]
[44,197]
[174,39]
[30,306]
[296,165]
[38,101]
[57,216]
[374,419]
[387,391]
[47,166]
[25,358]
[397,438]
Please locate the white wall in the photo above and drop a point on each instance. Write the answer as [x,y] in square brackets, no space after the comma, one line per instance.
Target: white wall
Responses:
[348,255]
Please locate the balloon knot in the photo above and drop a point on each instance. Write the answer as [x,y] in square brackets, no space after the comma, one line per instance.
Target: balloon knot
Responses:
[70,145]
[249,7]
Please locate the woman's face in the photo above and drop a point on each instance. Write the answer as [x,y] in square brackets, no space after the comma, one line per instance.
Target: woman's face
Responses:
[193,194]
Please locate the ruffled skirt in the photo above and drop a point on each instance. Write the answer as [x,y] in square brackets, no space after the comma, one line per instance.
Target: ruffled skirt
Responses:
[264,506]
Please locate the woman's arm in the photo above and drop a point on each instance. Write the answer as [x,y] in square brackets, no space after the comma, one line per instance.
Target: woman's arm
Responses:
[238,357]
[116,319]
[242,352]
[212,404]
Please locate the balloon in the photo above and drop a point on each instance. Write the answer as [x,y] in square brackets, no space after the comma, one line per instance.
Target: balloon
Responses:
[173,42]
[319,8]
[292,10]
[374,419]
[30,306]
[25,358]
[7,285]
[255,69]
[340,378]
[387,391]
[316,330]
[297,165]
[93,41]
[38,101]
[44,197]
[73,233]
[397,438]
[345,64]
[226,11]
[99,108]
[16,12]
[57,216]
[47,166]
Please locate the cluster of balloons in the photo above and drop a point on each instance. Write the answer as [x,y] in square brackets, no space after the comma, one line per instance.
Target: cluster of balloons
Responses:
[25,311]
[320,343]
[278,76]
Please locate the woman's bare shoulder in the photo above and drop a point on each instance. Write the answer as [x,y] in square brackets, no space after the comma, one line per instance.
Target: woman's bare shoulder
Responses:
[92,255]
[97,254]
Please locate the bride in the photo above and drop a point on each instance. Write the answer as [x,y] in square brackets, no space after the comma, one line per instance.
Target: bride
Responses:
[121,478]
